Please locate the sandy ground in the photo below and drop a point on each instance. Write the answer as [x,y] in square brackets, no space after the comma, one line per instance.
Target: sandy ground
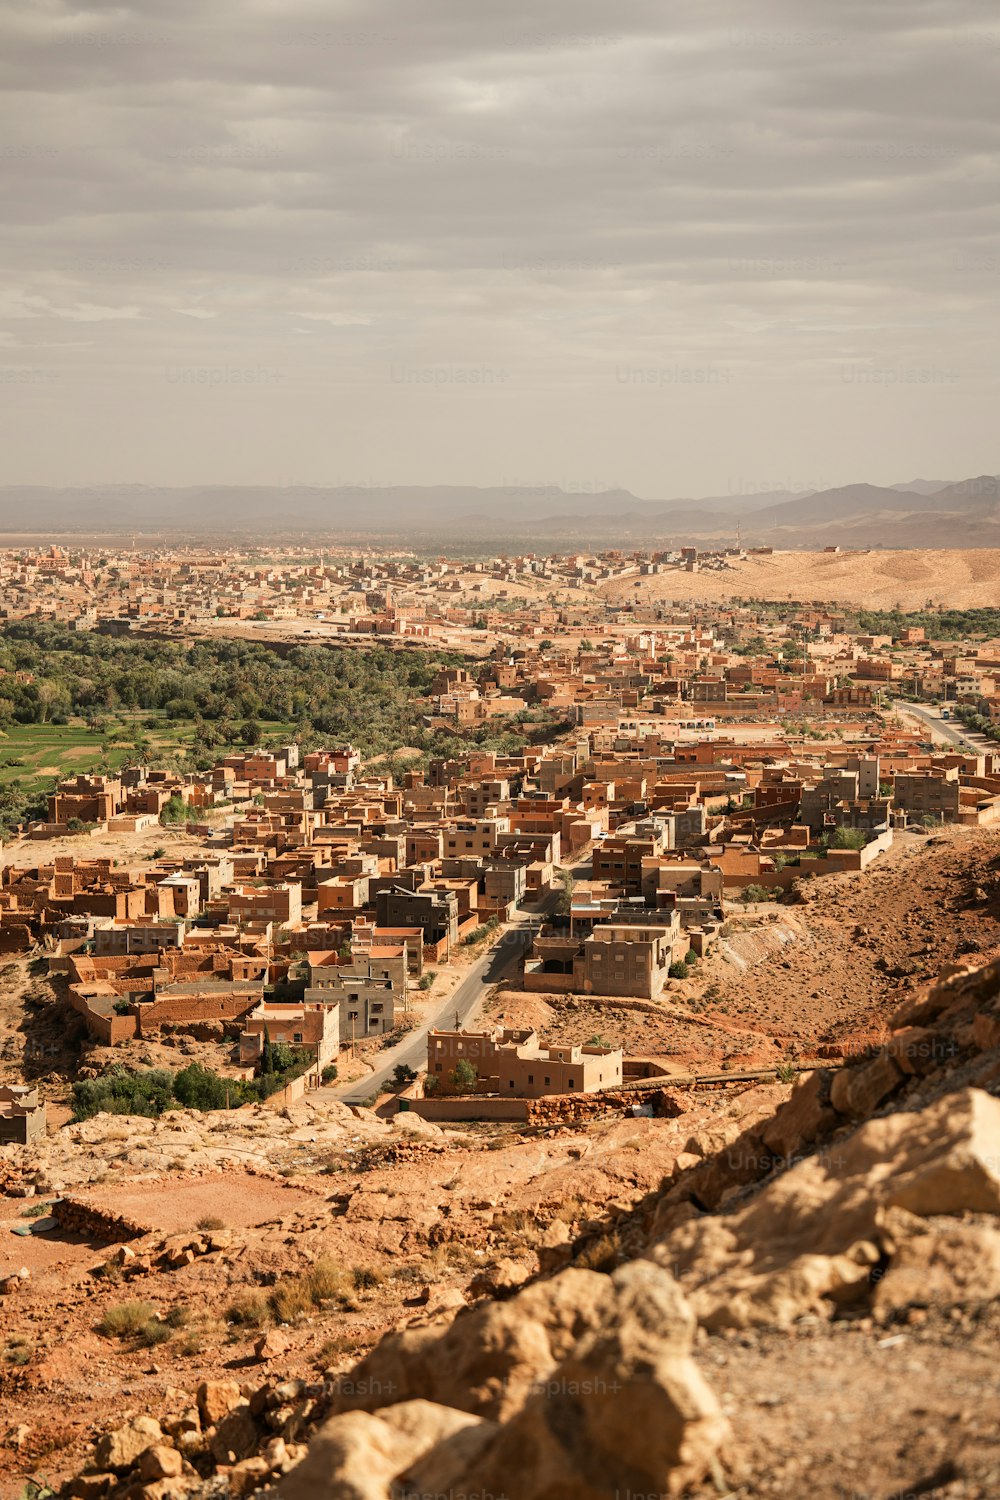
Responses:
[910,579]
[124,848]
[238,1199]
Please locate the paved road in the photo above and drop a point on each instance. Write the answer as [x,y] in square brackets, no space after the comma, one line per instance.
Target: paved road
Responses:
[499,962]
[944,730]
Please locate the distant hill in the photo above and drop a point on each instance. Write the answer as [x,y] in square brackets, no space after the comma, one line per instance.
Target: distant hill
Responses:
[921,513]
[966,514]
[923,486]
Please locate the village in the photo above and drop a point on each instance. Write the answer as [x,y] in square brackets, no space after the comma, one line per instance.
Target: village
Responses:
[385,939]
[695,767]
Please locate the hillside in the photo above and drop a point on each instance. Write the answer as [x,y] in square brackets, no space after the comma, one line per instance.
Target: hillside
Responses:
[961,578]
[322,1300]
[668,1305]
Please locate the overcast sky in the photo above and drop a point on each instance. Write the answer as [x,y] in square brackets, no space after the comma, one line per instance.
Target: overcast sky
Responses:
[682,248]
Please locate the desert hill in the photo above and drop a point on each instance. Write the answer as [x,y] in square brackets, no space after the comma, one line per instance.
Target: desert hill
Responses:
[958,578]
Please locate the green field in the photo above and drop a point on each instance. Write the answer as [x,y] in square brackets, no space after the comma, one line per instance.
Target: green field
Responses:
[36,756]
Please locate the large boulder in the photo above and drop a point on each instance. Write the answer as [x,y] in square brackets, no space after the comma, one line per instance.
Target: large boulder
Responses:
[358,1455]
[627,1412]
[484,1360]
[805,1117]
[948,1265]
[120,1449]
[808,1239]
[858,1091]
[623,1411]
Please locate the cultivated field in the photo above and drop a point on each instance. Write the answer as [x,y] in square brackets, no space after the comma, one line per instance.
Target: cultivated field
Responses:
[33,755]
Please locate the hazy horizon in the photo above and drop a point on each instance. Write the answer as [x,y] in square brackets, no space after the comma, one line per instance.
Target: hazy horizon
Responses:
[666,250]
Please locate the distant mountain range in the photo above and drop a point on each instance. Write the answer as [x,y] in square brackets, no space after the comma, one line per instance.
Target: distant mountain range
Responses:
[919,513]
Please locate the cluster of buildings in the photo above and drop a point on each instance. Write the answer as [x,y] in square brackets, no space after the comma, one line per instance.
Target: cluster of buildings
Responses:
[688,757]
[314,894]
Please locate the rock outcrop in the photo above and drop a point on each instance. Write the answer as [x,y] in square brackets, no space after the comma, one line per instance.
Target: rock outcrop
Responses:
[591,1401]
[811,1239]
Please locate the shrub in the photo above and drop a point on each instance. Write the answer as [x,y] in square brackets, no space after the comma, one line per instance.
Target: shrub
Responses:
[197,1087]
[848,838]
[292,1300]
[326,1280]
[209,1222]
[601,1254]
[366,1278]
[249,1310]
[119,1092]
[154,1332]
[337,1347]
[754,893]
[678,970]
[150,1092]
[174,812]
[126,1319]
[329,1073]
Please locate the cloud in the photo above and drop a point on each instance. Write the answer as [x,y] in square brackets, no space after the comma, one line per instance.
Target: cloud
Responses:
[558,192]
[91,312]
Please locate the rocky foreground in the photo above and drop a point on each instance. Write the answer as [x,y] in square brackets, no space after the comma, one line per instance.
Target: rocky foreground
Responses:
[803,1302]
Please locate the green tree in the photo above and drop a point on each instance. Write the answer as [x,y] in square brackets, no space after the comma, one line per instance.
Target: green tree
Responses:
[848,838]
[463,1076]
[197,1087]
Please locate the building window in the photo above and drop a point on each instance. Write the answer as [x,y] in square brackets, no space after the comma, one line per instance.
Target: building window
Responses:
[548,1080]
[531,1077]
[570,1082]
[296,1036]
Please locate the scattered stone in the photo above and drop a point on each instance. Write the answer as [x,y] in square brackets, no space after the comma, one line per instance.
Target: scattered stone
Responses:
[272,1345]
[215,1399]
[120,1449]
[160,1462]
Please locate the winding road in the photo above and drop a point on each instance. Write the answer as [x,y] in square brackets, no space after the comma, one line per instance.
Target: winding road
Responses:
[497,963]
